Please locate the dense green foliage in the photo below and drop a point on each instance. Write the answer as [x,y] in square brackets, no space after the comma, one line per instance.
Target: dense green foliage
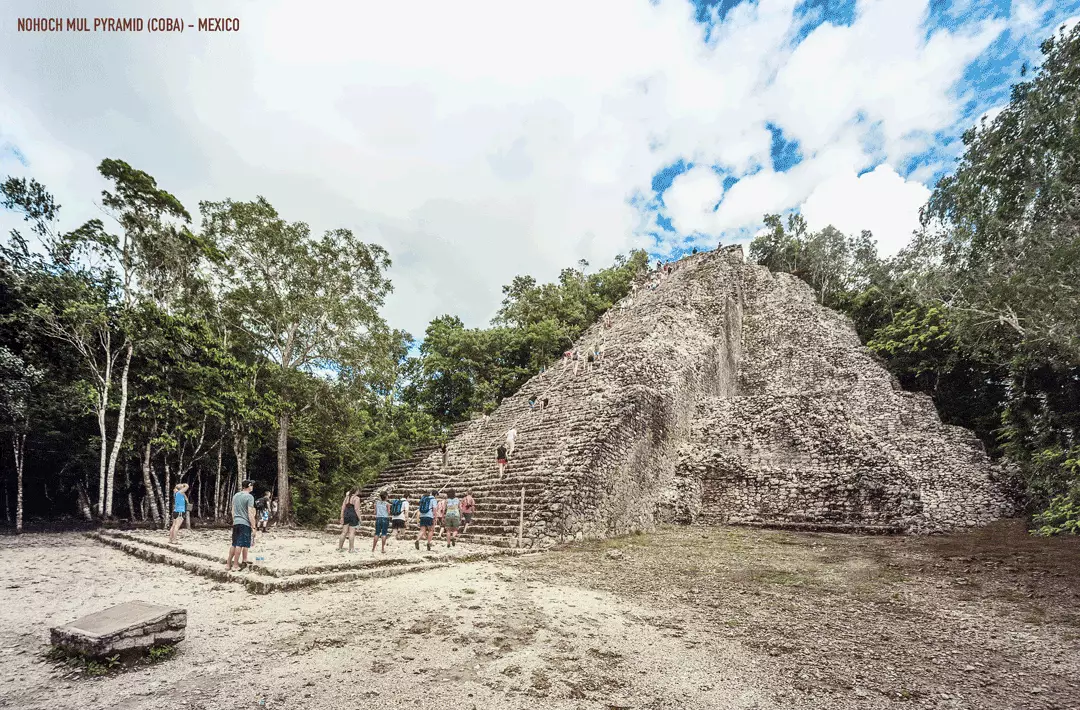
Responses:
[981,309]
[134,360]
[468,370]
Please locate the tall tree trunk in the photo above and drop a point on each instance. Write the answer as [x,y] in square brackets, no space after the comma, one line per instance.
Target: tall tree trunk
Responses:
[167,491]
[102,410]
[84,502]
[217,484]
[240,450]
[285,513]
[110,477]
[155,491]
[148,483]
[18,444]
[127,485]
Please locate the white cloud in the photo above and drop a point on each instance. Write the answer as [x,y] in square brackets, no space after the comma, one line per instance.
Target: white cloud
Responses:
[880,200]
[480,139]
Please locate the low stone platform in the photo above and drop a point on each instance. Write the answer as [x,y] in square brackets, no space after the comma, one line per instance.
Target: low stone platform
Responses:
[287,560]
[122,629]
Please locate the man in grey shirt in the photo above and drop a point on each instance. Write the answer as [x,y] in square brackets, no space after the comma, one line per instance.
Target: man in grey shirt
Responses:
[243,505]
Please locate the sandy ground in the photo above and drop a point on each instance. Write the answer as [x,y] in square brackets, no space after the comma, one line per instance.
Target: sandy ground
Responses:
[723,618]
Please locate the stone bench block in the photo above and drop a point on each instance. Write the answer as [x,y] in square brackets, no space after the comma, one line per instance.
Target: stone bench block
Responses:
[124,628]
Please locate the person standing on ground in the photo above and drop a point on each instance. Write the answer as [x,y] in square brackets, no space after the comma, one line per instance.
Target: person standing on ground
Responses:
[399,508]
[453,518]
[180,507]
[440,515]
[425,510]
[382,522]
[262,508]
[500,457]
[511,439]
[243,529]
[468,507]
[349,519]
[600,352]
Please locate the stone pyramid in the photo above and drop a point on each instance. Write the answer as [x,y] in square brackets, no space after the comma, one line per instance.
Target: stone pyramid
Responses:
[726,395]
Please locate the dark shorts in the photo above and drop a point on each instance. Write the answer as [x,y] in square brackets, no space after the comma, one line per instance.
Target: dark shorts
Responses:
[427,522]
[397,524]
[382,527]
[241,536]
[467,517]
[177,514]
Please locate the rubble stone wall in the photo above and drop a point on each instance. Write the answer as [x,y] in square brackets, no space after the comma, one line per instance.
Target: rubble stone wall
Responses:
[820,432]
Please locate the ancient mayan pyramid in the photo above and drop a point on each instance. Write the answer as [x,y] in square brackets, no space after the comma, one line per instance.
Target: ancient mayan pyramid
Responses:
[726,395]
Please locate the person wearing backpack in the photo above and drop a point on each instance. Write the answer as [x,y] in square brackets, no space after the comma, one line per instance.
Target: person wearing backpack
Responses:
[399,509]
[425,510]
[452,518]
[262,510]
[382,522]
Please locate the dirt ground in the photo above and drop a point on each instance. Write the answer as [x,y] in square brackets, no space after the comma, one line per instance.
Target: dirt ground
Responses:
[683,618]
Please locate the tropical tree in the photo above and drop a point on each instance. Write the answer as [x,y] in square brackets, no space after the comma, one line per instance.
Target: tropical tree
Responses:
[305,302]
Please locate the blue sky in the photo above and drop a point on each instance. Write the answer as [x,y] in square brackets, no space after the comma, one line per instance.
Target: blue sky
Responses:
[495,139]
[982,86]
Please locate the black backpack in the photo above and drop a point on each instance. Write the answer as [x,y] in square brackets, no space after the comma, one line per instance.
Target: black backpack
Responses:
[260,504]
[396,505]
[425,505]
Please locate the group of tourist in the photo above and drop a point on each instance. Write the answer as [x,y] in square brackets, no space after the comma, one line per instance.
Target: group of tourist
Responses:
[436,515]
[591,357]
[264,508]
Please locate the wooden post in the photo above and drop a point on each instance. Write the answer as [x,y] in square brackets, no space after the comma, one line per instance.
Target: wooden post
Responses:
[521,518]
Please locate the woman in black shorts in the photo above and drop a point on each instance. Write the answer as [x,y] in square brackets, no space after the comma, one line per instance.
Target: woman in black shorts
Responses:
[350,518]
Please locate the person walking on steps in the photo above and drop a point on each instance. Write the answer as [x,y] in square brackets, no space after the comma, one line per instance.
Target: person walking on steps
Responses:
[399,508]
[440,515]
[468,507]
[425,511]
[382,522]
[349,519]
[500,457]
[179,510]
[511,439]
[243,507]
[452,518]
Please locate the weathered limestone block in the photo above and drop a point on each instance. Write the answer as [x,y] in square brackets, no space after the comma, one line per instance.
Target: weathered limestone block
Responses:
[133,626]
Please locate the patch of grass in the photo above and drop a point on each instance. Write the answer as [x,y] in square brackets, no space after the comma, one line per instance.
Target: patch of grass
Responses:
[103,666]
[56,654]
[162,653]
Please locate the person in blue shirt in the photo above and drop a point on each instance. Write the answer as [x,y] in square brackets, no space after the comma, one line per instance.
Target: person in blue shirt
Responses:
[179,510]
[382,522]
